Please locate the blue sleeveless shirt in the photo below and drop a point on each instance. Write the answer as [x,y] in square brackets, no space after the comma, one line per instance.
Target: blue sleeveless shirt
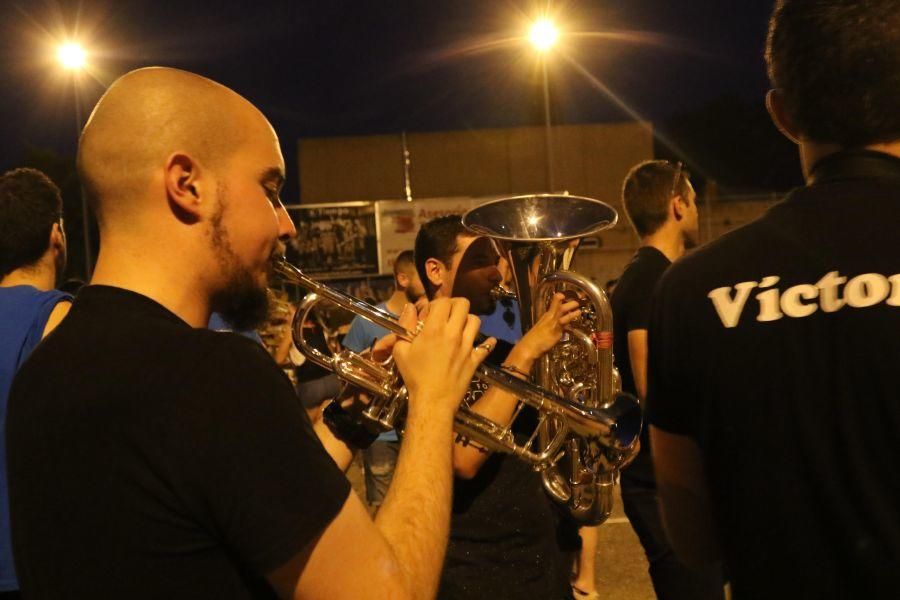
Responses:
[24,311]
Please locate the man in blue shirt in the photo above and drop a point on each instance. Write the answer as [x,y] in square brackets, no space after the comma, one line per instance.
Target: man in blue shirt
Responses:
[380,458]
[32,257]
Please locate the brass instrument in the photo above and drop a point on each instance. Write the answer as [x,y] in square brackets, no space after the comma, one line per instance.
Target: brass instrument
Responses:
[616,424]
[539,235]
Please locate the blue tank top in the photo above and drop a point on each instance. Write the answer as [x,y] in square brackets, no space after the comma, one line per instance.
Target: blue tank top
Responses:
[24,311]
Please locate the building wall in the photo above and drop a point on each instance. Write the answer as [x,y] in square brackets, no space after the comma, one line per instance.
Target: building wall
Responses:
[589,160]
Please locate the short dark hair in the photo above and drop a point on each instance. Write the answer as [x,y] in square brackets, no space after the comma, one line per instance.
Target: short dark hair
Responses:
[404,261]
[437,239]
[647,190]
[836,64]
[29,206]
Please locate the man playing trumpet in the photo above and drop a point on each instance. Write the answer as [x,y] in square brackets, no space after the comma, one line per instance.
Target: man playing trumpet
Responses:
[151,458]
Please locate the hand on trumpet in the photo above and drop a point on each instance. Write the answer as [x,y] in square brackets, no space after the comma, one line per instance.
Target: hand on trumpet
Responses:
[549,328]
[438,365]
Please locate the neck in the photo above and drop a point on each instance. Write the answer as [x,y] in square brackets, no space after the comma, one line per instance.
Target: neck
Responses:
[175,283]
[812,152]
[396,302]
[668,240]
[41,276]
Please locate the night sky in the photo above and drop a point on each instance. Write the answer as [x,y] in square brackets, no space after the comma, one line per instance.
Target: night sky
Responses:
[336,67]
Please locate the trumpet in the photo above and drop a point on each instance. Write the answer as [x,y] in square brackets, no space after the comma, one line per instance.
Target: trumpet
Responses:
[616,425]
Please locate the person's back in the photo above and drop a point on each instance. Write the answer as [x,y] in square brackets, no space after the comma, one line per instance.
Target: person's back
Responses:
[772,401]
[781,339]
[32,257]
[24,311]
[175,415]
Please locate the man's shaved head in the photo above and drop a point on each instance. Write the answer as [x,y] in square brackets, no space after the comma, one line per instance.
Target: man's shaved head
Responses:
[144,117]
[175,166]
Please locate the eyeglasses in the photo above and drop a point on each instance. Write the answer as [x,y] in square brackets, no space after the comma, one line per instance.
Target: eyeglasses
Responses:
[679,169]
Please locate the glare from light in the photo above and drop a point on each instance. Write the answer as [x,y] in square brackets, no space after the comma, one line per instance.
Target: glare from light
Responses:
[71,56]
[543,35]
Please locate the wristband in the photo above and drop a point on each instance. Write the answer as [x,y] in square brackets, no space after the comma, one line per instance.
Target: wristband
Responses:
[516,371]
[346,428]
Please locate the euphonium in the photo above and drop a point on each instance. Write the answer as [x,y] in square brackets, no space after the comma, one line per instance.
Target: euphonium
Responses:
[539,235]
[615,425]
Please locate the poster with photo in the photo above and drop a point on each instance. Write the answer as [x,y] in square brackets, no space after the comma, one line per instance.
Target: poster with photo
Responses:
[400,221]
[335,240]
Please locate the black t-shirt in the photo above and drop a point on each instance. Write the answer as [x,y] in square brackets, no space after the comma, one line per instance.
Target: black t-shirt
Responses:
[776,348]
[631,302]
[149,460]
[507,539]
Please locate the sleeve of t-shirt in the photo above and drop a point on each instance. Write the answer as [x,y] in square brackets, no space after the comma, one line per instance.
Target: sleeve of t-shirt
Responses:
[357,338]
[640,310]
[670,399]
[257,473]
[49,300]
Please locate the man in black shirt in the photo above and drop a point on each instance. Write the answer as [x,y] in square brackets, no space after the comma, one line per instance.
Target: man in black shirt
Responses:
[504,531]
[662,207]
[151,458]
[773,398]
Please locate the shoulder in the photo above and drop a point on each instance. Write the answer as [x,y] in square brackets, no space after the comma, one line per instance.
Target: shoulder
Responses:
[718,260]
[232,353]
[57,314]
[234,383]
[644,268]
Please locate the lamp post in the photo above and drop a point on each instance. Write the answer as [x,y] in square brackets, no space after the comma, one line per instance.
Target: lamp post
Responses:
[543,36]
[72,57]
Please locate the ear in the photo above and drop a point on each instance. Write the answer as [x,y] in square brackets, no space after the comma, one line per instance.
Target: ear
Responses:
[184,187]
[678,207]
[57,237]
[435,271]
[775,106]
[402,280]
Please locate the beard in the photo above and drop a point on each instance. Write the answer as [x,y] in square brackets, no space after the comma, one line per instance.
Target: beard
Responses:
[242,302]
[483,305]
[411,296]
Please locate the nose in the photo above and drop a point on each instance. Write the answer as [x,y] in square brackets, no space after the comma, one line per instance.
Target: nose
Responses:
[286,228]
[495,276]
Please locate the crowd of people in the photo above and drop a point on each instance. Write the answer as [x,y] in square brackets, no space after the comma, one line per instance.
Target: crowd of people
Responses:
[147,454]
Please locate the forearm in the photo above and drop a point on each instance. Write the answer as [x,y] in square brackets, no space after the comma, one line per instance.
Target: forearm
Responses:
[496,405]
[685,516]
[339,451]
[415,515]
[283,351]
[684,498]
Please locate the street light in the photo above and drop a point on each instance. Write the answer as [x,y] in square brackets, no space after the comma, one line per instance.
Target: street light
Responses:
[71,56]
[543,36]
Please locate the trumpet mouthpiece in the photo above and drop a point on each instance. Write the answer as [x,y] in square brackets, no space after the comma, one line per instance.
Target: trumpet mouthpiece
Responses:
[501,293]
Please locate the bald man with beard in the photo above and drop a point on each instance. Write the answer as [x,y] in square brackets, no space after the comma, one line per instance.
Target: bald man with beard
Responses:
[152,458]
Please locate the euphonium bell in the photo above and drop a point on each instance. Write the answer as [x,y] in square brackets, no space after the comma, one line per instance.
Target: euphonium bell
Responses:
[539,235]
